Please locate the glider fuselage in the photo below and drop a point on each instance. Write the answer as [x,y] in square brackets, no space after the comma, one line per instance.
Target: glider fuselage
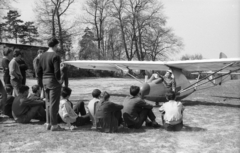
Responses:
[156,89]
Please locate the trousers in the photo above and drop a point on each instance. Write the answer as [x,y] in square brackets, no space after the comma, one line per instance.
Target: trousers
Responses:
[84,118]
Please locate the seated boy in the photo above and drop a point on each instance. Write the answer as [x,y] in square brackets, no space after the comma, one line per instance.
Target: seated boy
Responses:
[7,106]
[69,114]
[172,113]
[36,93]
[108,115]
[96,94]
[25,109]
[136,111]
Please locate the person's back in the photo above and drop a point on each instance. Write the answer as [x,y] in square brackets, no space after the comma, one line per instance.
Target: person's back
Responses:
[5,65]
[136,111]
[172,113]
[92,106]
[50,65]
[24,109]
[108,115]
[106,108]
[7,106]
[133,106]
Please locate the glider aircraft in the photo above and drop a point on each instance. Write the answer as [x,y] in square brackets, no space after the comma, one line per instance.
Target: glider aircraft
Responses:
[155,91]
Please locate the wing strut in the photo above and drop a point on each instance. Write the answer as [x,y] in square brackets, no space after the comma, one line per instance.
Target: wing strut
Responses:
[192,85]
[126,70]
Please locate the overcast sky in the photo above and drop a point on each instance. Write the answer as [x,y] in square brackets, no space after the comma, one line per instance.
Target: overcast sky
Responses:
[207,27]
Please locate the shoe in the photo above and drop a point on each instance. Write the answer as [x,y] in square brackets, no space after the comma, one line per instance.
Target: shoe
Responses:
[58,128]
[48,126]
[155,125]
[149,124]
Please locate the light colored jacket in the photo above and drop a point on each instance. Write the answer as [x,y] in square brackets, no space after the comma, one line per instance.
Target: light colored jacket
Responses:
[173,112]
[14,70]
[66,112]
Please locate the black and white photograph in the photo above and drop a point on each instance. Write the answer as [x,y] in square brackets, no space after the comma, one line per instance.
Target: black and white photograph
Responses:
[119,76]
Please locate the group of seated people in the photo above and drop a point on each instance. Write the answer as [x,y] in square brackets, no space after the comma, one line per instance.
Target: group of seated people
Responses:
[104,115]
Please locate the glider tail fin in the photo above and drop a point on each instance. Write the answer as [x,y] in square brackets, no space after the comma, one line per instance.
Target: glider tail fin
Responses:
[222,55]
[221,79]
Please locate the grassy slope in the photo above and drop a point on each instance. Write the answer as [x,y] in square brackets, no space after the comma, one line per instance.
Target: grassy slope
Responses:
[212,125]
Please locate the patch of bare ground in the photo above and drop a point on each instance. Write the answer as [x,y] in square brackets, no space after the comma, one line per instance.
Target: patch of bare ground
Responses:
[211,119]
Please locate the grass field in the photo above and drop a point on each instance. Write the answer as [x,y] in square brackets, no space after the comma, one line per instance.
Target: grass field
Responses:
[211,118]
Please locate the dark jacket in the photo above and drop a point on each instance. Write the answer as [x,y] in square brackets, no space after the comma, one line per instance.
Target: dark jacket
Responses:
[22,105]
[132,107]
[105,117]
[6,76]
[48,71]
[7,106]
[23,67]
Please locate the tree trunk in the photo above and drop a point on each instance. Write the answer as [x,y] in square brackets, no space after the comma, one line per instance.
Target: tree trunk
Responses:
[60,34]
[53,23]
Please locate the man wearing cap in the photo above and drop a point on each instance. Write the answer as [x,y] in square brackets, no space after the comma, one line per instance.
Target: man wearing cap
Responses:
[92,106]
[15,73]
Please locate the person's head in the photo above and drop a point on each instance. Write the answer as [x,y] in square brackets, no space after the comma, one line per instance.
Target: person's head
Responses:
[7,52]
[96,93]
[134,90]
[36,89]
[170,95]
[24,90]
[9,89]
[66,92]
[17,53]
[168,74]
[40,52]
[53,43]
[105,96]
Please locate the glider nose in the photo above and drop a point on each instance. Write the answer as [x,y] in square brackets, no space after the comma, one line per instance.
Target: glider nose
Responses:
[145,89]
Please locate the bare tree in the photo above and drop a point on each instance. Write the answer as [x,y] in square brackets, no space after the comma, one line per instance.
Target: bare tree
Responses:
[50,16]
[142,29]
[98,12]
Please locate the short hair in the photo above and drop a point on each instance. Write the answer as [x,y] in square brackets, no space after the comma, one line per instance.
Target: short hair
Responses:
[170,95]
[52,42]
[134,90]
[7,51]
[106,95]
[23,89]
[66,92]
[40,51]
[16,53]
[35,88]
[96,93]
[9,88]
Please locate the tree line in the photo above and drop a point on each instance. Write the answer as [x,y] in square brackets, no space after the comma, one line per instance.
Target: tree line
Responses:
[15,29]
[106,30]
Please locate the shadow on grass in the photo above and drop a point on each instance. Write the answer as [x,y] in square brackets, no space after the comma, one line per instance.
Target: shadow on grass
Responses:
[193,129]
[119,95]
[226,97]
[193,103]
[122,130]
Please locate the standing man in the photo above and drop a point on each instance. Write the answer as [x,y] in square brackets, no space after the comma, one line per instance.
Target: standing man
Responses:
[64,73]
[23,67]
[15,73]
[5,63]
[49,76]
[36,61]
